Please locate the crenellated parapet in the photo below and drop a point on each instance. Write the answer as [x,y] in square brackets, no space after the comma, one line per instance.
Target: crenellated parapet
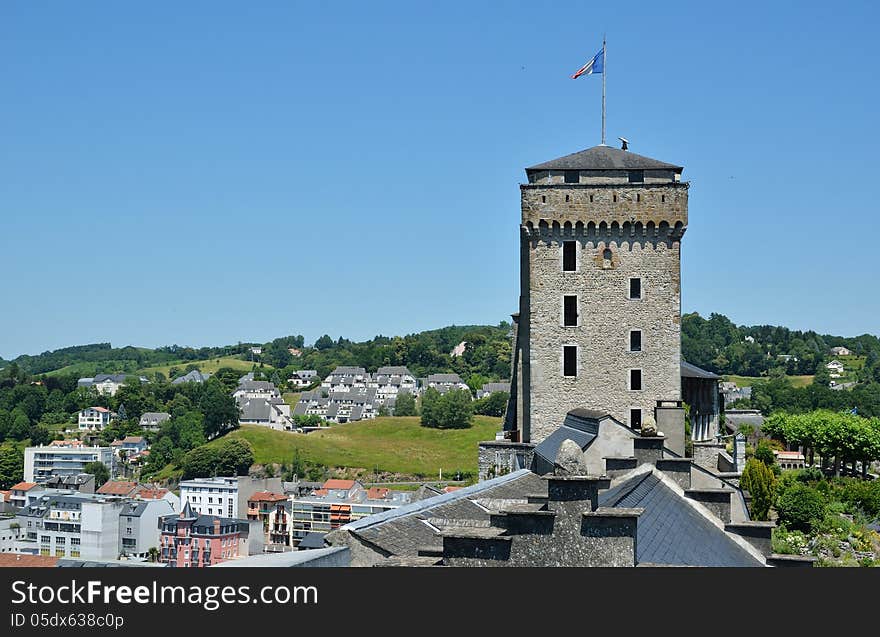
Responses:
[597,203]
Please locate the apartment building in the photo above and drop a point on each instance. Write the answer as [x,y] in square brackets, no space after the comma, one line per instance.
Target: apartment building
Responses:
[94,418]
[43,462]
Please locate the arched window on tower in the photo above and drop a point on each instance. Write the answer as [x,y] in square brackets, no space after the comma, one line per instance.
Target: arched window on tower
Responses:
[606,258]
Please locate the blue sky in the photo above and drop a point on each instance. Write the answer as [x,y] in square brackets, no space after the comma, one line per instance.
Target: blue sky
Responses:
[204,173]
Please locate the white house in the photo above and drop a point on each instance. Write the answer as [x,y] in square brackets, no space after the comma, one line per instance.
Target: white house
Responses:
[94,418]
[390,381]
[152,420]
[211,496]
[256,389]
[836,369]
[303,377]
[445,382]
[840,351]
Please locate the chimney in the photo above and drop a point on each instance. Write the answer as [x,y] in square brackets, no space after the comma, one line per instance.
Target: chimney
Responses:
[716,500]
[648,449]
[609,537]
[758,534]
[677,469]
[576,489]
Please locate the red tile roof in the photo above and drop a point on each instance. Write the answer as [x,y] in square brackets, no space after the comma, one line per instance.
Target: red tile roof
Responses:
[267,496]
[377,493]
[4,496]
[66,443]
[339,484]
[103,410]
[8,560]
[23,486]
[450,489]
[117,487]
[152,494]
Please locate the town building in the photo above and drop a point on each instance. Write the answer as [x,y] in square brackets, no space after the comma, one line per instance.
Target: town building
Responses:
[272,510]
[491,388]
[67,524]
[268,412]
[840,351]
[250,389]
[94,418]
[119,488]
[224,496]
[139,526]
[390,381]
[192,540]
[22,493]
[10,533]
[444,382]
[152,420]
[303,377]
[147,492]
[699,389]
[107,384]
[836,368]
[192,376]
[44,462]
[81,483]
[337,503]
[131,446]
[344,378]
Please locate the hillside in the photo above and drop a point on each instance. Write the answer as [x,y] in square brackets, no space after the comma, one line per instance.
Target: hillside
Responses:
[391,445]
[207,366]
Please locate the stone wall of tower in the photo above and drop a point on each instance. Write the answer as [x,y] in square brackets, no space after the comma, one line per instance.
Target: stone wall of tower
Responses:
[642,226]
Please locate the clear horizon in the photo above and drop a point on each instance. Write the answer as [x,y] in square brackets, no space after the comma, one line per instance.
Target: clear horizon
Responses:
[211,173]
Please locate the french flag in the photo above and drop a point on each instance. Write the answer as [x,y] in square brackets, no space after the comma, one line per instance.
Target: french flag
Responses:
[596,65]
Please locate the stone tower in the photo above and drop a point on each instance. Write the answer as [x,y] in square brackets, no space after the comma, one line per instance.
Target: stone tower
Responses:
[599,324]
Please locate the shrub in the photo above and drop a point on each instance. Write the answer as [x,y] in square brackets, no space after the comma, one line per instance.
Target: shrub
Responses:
[759,480]
[801,507]
[764,453]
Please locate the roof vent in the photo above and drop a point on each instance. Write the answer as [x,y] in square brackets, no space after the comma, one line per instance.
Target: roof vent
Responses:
[624,143]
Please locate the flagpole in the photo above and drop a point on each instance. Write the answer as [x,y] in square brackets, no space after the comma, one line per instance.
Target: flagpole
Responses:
[604,72]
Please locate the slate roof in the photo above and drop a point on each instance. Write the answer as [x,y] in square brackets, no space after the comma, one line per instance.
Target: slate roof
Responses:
[580,426]
[394,370]
[604,158]
[692,371]
[158,416]
[406,529]
[311,540]
[444,378]
[194,376]
[670,530]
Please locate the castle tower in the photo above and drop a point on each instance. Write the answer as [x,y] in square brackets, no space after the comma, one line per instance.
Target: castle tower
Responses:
[599,325]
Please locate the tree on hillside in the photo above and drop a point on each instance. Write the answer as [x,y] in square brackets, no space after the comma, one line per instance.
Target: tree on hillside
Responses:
[235,457]
[201,462]
[492,405]
[11,465]
[99,470]
[221,412]
[453,410]
[405,404]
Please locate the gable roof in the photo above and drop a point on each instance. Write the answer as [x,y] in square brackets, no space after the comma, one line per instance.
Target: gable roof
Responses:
[117,487]
[311,540]
[671,530]
[334,483]
[23,486]
[692,371]
[604,158]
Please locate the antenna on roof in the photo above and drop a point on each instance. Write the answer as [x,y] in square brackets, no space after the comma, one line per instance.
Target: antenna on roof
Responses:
[624,143]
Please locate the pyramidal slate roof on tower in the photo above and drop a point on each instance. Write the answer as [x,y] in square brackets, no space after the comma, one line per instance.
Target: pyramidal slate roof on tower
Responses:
[604,158]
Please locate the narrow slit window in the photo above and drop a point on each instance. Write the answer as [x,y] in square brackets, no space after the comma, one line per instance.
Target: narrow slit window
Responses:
[543,199]
[569,256]
[615,198]
[569,360]
[635,341]
[635,379]
[569,311]
[635,288]
[591,198]
[567,198]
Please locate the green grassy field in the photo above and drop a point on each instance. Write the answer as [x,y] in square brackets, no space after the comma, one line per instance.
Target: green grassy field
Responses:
[397,445]
[207,366]
[748,381]
[291,398]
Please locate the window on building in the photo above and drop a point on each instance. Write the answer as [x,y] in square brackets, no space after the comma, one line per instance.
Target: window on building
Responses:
[636,176]
[635,379]
[635,340]
[635,288]
[572,177]
[569,256]
[569,311]
[635,418]
[569,360]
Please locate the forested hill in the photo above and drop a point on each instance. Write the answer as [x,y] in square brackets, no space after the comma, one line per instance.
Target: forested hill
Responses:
[716,344]
[720,346]
[487,354]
